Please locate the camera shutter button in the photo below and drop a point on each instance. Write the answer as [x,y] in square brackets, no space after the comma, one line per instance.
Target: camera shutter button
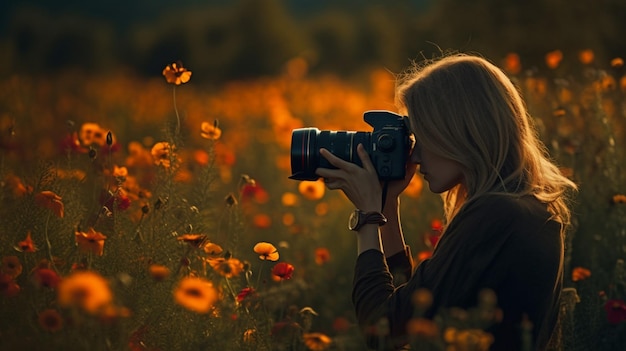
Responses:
[385,142]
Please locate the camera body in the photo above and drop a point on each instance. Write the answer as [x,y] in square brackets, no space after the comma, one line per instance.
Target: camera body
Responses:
[388,146]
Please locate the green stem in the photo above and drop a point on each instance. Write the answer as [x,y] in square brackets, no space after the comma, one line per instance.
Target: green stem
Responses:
[48,244]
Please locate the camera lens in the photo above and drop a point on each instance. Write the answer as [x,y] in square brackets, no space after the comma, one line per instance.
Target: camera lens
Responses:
[306,143]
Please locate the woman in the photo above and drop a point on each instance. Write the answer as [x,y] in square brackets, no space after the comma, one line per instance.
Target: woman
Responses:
[505,206]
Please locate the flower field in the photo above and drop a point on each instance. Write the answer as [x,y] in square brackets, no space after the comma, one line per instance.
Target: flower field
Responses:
[156,214]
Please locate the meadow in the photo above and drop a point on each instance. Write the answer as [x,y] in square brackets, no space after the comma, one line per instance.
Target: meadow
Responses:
[156,214]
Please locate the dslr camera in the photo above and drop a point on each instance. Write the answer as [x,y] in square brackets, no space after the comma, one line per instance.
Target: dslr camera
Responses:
[388,146]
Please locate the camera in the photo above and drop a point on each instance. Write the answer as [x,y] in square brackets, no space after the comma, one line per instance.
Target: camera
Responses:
[388,146]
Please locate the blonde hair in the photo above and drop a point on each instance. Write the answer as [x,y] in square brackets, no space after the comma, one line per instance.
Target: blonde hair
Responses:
[464,108]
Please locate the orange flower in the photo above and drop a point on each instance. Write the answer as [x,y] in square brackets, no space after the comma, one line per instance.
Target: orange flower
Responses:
[554,58]
[120,172]
[617,62]
[50,320]
[12,266]
[262,221]
[90,242]
[92,134]
[175,73]
[312,190]
[87,290]
[619,199]
[210,131]
[228,268]
[26,245]
[414,189]
[8,286]
[51,201]
[159,272]
[17,186]
[195,240]
[580,273]
[512,63]
[322,255]
[196,294]
[266,251]
[289,199]
[212,249]
[586,56]
[162,153]
[316,341]
[422,328]
[283,270]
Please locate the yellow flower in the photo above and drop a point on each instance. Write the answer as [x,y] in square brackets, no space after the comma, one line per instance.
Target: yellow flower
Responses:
[210,131]
[90,242]
[84,289]
[316,341]
[228,268]
[51,201]
[175,73]
[196,294]
[266,251]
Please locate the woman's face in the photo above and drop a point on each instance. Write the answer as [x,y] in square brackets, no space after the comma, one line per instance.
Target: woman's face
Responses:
[442,174]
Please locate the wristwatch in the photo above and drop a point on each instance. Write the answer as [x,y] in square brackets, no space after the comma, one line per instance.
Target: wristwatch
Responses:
[359,218]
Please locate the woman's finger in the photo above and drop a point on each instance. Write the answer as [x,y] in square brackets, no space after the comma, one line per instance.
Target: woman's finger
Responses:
[365,159]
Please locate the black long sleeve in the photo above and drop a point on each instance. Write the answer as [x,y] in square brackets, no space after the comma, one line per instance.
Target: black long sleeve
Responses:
[505,244]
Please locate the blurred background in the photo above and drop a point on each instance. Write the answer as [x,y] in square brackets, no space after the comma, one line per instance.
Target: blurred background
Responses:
[262,68]
[223,40]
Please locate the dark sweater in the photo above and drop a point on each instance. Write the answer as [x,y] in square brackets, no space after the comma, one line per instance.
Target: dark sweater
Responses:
[505,244]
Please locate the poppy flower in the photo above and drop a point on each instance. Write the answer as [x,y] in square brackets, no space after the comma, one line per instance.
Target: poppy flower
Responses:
[196,294]
[283,270]
[90,242]
[175,73]
[50,320]
[468,338]
[51,201]
[617,62]
[86,290]
[161,154]
[414,189]
[619,199]
[322,255]
[312,189]
[26,245]
[615,311]
[17,186]
[262,221]
[159,272]
[12,266]
[554,58]
[212,249]
[266,251]
[251,190]
[289,199]
[92,134]
[210,131]
[580,273]
[244,293]
[195,240]
[512,63]
[422,328]
[46,278]
[316,341]
[586,56]
[227,267]
[8,286]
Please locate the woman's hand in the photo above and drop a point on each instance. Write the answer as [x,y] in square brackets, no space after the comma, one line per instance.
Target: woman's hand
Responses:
[360,184]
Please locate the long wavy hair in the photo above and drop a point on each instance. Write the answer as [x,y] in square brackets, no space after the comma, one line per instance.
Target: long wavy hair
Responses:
[464,108]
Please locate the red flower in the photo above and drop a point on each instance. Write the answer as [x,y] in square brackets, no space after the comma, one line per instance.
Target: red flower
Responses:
[615,311]
[245,292]
[46,278]
[283,270]
[26,245]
